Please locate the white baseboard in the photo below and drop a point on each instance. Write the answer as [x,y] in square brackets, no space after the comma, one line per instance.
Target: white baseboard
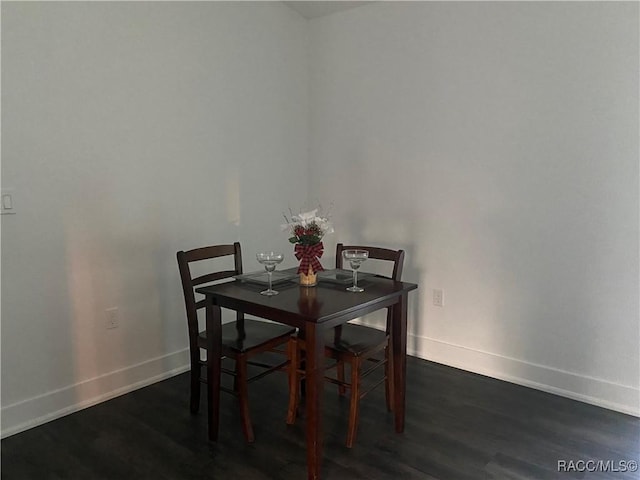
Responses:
[596,391]
[43,408]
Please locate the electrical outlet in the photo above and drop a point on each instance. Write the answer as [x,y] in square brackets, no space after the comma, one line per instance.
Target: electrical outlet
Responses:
[438,297]
[113,318]
[7,202]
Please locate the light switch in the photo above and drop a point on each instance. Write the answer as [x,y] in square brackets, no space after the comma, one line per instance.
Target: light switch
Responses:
[6,203]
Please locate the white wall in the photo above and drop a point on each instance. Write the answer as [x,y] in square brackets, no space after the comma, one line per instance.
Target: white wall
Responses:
[498,144]
[131,131]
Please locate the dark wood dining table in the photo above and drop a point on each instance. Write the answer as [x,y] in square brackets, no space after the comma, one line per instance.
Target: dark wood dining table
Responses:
[313,310]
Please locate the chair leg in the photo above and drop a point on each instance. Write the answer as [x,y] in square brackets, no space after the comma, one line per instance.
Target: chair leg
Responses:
[196,369]
[342,390]
[354,408]
[294,381]
[243,397]
[388,373]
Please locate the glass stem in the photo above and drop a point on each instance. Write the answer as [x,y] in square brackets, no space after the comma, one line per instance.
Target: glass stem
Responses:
[355,278]
[269,275]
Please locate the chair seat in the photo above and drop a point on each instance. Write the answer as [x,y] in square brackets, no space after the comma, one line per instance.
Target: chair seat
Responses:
[356,339]
[257,334]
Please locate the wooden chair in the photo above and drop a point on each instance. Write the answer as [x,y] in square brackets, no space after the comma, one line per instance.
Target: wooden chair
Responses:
[352,344]
[241,340]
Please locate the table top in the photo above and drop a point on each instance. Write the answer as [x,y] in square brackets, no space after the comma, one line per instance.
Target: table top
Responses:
[325,303]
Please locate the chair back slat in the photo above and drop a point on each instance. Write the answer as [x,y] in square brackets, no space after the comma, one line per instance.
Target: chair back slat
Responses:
[206,253]
[213,277]
[201,303]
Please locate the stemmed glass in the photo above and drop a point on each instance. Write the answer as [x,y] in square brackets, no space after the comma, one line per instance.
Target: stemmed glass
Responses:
[269,260]
[355,258]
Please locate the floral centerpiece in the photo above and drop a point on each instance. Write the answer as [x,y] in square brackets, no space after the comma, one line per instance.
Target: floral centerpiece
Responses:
[307,230]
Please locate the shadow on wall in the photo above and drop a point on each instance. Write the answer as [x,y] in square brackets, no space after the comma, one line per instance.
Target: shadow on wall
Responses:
[391,234]
[114,299]
[172,305]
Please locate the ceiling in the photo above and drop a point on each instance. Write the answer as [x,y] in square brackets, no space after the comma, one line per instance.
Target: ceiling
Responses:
[320,9]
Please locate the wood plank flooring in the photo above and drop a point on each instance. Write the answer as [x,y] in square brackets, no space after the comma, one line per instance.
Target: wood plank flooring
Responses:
[459,426]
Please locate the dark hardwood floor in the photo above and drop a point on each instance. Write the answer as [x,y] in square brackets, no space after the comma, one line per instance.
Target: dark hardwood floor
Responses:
[459,426]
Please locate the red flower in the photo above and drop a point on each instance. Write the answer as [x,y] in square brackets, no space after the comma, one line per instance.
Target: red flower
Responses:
[314,230]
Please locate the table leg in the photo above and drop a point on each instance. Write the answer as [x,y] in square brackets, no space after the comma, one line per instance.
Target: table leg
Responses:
[315,383]
[214,348]
[302,363]
[399,352]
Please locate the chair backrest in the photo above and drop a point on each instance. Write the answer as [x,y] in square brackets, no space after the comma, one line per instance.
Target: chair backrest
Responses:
[377,253]
[189,282]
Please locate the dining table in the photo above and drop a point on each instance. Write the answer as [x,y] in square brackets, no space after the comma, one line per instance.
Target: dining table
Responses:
[313,311]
